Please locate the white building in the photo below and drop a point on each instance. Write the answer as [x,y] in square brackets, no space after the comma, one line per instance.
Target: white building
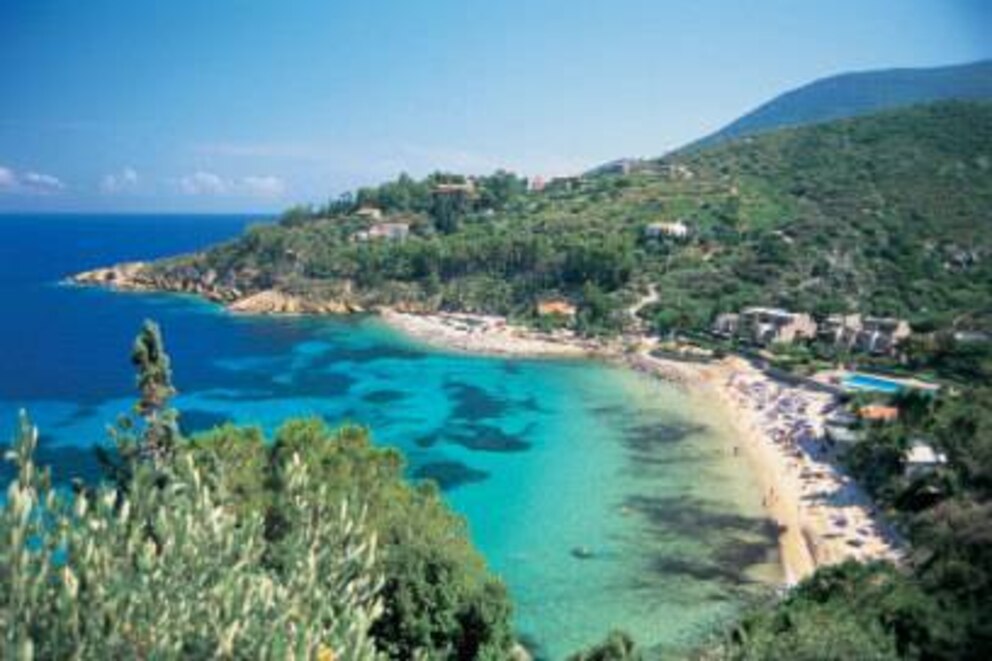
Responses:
[921,458]
[676,230]
[371,213]
[773,325]
[392,231]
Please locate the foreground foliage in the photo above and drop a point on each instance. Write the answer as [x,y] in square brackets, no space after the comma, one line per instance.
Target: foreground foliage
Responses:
[438,597]
[170,572]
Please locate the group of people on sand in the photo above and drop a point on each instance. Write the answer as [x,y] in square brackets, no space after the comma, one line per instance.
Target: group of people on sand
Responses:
[838,519]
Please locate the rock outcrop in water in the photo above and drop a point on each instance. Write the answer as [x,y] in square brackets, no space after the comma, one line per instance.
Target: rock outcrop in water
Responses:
[141,276]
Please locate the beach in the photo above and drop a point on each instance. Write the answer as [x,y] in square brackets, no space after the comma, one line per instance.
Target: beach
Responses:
[487,335]
[824,517]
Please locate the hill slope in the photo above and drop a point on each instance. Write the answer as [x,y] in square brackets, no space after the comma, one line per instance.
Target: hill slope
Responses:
[883,214]
[853,94]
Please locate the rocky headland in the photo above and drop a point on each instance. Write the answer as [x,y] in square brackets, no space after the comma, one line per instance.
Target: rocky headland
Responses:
[243,297]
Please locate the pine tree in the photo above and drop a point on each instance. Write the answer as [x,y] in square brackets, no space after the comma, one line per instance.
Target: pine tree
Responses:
[161,430]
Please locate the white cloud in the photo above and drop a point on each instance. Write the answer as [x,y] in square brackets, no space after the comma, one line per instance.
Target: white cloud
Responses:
[119,182]
[8,180]
[208,183]
[42,182]
[203,183]
[267,186]
[29,183]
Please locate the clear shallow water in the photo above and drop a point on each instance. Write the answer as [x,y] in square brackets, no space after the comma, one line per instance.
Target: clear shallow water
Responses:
[542,457]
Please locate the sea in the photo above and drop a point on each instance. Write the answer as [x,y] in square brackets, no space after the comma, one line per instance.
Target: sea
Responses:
[604,498]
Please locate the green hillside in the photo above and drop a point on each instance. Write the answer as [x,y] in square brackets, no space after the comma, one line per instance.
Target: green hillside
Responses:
[860,93]
[885,214]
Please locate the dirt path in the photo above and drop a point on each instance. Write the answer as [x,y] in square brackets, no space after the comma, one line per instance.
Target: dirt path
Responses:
[635,309]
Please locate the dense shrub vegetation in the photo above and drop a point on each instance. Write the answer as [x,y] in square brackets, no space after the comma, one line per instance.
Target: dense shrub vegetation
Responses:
[437,596]
[169,571]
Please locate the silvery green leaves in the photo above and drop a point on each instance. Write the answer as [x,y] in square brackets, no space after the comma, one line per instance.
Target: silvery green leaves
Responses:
[171,572]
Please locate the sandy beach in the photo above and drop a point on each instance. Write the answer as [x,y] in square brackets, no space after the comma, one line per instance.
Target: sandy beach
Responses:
[824,516]
[486,334]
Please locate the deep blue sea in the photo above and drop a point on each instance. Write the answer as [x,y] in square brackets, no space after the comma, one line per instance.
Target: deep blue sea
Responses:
[542,457]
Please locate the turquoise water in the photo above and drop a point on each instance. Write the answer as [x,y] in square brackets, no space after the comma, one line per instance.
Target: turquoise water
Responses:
[858,381]
[542,457]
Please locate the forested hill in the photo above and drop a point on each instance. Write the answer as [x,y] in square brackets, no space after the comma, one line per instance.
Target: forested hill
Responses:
[884,214]
[853,94]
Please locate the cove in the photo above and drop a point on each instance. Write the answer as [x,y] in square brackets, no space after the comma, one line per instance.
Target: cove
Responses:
[604,498]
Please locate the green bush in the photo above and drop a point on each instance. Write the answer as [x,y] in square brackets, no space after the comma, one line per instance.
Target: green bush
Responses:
[438,598]
[169,571]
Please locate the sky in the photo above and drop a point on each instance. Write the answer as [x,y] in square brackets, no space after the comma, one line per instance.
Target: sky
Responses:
[251,106]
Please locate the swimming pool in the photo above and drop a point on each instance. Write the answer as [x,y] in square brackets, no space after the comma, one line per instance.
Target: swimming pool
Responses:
[867,382]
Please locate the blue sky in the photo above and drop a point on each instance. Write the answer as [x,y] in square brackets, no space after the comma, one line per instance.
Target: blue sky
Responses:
[244,105]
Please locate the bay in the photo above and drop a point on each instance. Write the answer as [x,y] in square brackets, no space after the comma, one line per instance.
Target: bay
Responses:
[604,498]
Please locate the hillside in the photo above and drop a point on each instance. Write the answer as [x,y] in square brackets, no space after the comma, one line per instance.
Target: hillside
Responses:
[853,94]
[885,214]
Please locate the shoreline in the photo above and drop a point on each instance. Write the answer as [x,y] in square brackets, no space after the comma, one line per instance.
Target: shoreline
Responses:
[757,450]
[486,335]
[823,515]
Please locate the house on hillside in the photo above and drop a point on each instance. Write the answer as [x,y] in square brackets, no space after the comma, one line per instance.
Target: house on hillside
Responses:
[726,324]
[568,182]
[466,188]
[775,326]
[882,334]
[878,413]
[390,231]
[840,329]
[675,230]
[921,458]
[620,166]
[369,213]
[677,171]
[879,335]
[555,308]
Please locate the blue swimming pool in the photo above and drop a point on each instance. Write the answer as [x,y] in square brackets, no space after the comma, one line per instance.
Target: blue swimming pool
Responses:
[867,382]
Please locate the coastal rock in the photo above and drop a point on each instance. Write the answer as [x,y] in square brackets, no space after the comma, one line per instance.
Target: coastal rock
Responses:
[208,284]
[121,276]
[273,301]
[267,302]
[140,276]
